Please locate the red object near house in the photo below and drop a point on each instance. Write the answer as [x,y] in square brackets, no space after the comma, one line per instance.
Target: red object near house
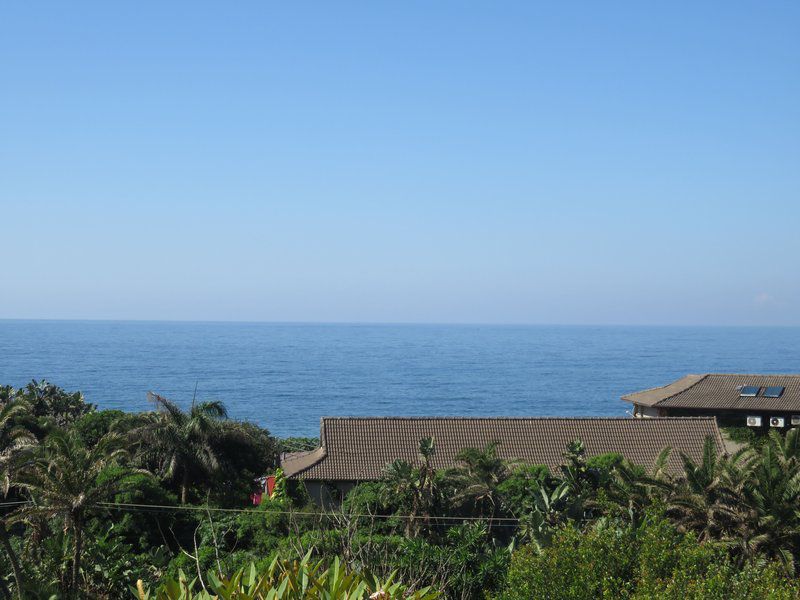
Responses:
[269,487]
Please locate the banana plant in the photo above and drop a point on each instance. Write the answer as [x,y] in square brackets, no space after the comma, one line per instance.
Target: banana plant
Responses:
[301,579]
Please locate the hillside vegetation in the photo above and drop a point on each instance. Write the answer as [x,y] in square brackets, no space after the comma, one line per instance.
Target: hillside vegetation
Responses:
[156,505]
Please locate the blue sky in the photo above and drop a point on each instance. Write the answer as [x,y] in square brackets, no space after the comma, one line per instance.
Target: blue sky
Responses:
[408,161]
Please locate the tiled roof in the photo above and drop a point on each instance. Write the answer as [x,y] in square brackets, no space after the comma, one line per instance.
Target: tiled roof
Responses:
[295,462]
[655,395]
[720,391]
[359,448]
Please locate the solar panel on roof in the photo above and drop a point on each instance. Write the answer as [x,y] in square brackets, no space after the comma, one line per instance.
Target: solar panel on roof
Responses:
[750,391]
[773,392]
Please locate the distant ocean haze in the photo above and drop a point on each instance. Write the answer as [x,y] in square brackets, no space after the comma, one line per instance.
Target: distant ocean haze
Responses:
[286,376]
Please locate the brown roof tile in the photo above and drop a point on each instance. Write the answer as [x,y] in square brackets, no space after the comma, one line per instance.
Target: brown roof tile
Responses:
[655,395]
[720,391]
[359,448]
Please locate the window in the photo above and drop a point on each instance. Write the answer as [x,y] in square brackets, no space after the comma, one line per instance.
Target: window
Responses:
[773,392]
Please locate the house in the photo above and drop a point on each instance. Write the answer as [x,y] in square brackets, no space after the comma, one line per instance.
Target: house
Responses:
[356,449]
[752,400]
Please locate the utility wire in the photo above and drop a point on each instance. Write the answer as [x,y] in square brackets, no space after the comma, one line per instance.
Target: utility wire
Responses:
[151,508]
[134,506]
[14,503]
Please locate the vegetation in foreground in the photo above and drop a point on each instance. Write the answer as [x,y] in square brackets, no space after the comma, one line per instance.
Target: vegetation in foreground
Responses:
[287,580]
[104,504]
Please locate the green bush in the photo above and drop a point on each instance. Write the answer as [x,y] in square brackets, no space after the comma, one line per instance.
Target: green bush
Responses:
[745,435]
[370,498]
[521,484]
[598,564]
[604,464]
[651,561]
[263,529]
[297,444]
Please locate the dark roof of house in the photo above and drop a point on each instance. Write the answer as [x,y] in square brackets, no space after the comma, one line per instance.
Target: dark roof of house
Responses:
[360,448]
[721,391]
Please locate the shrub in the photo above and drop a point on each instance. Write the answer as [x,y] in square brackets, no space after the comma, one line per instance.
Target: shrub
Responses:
[297,444]
[521,485]
[651,561]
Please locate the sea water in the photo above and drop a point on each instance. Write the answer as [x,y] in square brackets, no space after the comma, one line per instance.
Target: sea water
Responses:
[286,376]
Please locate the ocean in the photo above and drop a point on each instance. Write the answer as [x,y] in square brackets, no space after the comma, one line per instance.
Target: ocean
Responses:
[286,376]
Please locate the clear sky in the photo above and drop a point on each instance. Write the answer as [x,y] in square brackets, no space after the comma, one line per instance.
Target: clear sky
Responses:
[516,162]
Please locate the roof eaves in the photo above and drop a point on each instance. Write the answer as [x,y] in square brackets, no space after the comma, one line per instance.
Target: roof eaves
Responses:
[649,397]
[509,418]
[719,439]
[687,388]
[307,459]
[302,462]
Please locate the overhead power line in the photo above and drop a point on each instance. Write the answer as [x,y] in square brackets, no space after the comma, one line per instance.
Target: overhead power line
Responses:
[140,507]
[194,508]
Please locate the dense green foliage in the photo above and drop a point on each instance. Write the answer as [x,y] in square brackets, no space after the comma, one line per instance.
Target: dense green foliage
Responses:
[649,560]
[286,580]
[297,444]
[105,504]
[66,467]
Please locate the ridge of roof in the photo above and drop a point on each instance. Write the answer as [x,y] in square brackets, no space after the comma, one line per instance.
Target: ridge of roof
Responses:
[687,388]
[661,387]
[754,374]
[723,449]
[309,458]
[295,463]
[512,418]
[651,396]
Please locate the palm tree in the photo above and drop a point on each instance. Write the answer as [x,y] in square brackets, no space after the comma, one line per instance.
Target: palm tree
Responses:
[632,489]
[750,499]
[771,492]
[478,476]
[67,480]
[400,488]
[582,481]
[13,439]
[428,491]
[186,442]
[53,404]
[707,499]
[415,487]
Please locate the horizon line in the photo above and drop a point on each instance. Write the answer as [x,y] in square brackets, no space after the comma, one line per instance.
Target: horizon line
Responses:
[394,323]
